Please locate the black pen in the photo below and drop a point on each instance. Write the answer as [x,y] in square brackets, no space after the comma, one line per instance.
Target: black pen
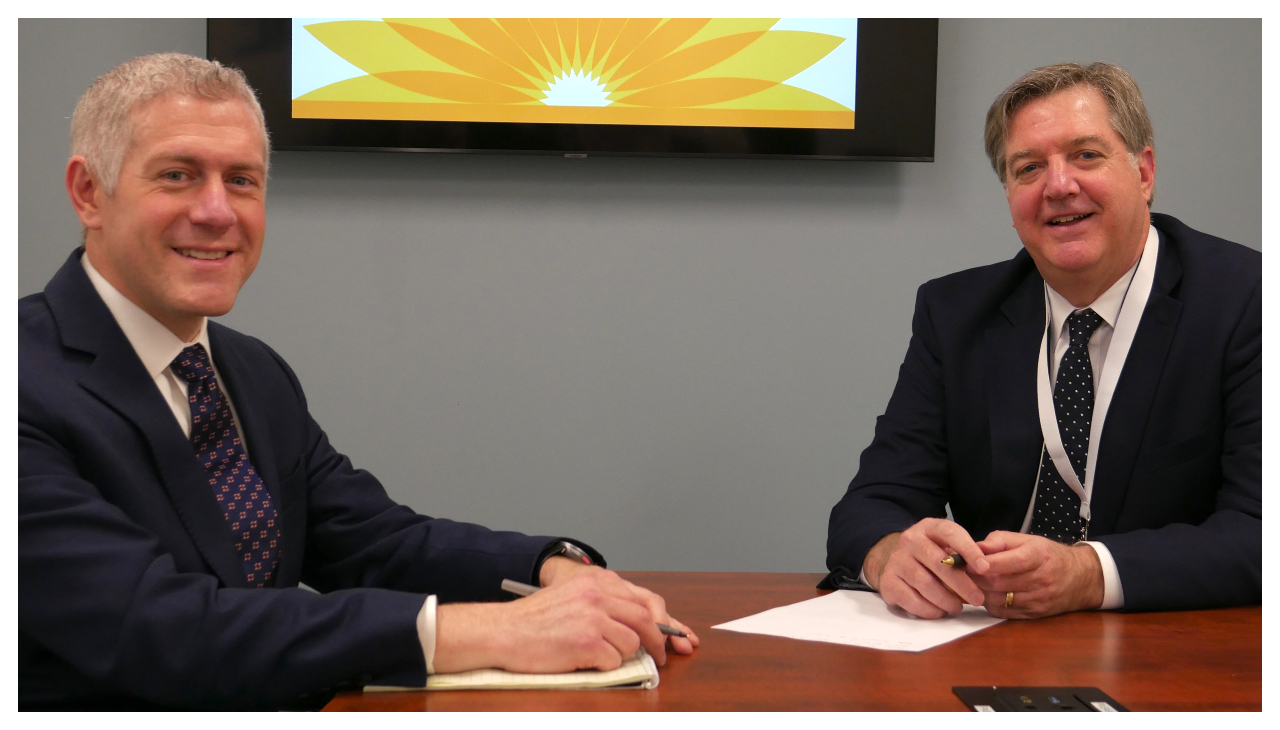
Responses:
[524,589]
[954,561]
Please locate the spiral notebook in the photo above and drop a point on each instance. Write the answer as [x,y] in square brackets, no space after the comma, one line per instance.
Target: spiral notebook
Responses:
[637,672]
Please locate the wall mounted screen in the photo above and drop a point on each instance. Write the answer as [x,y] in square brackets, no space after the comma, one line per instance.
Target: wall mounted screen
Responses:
[677,86]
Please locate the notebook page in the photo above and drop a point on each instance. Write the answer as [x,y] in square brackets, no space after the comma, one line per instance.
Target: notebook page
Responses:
[639,672]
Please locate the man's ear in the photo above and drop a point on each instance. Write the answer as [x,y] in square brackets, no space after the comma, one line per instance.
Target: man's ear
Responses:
[1147,173]
[85,191]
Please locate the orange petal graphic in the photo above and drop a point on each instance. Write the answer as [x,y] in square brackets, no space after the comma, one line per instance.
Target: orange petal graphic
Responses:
[455,87]
[568,28]
[550,37]
[489,36]
[689,61]
[608,33]
[696,92]
[462,56]
[631,35]
[662,41]
[522,32]
[587,29]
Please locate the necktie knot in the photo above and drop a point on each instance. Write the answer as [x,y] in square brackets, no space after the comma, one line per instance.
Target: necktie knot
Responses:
[192,364]
[1082,323]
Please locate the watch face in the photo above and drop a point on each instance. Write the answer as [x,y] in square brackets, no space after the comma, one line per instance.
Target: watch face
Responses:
[570,550]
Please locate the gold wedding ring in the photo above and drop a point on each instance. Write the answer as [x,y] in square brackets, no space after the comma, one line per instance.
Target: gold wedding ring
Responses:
[1008,600]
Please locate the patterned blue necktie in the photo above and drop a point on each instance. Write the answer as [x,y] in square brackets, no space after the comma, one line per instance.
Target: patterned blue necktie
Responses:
[1057,510]
[246,505]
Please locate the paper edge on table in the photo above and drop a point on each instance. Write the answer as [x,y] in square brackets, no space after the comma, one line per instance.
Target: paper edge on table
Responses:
[586,679]
[727,626]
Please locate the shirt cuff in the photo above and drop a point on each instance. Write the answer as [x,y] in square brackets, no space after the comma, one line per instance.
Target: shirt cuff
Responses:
[862,578]
[427,632]
[1112,591]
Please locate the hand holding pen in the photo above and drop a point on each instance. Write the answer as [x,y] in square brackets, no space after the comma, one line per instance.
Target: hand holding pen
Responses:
[524,589]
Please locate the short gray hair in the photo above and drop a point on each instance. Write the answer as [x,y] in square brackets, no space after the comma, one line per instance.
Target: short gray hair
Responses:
[1129,116]
[102,124]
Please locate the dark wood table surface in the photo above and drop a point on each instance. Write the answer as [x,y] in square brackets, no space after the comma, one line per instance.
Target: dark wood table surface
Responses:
[1189,660]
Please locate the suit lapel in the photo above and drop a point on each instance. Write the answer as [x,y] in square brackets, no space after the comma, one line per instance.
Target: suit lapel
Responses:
[118,378]
[1011,350]
[249,402]
[1135,391]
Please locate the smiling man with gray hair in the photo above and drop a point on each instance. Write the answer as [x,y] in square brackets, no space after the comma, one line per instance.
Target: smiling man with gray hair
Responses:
[173,489]
[1090,411]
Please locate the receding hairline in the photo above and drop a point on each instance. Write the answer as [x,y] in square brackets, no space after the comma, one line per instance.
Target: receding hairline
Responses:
[249,124]
[178,95]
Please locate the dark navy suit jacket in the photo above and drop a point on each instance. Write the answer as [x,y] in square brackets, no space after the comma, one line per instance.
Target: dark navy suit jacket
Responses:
[129,588]
[1177,495]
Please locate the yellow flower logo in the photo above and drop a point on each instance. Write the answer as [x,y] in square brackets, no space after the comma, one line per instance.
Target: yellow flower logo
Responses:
[683,71]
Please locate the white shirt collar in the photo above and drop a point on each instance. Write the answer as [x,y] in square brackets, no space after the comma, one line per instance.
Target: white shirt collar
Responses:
[1106,306]
[155,344]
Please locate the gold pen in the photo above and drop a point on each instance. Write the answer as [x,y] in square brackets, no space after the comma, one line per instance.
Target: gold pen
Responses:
[954,561]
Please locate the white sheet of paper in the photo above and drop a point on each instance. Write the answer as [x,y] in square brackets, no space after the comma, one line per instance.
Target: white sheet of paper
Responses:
[859,618]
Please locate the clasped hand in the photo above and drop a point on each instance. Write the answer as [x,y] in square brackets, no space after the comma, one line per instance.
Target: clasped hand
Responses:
[585,617]
[1045,577]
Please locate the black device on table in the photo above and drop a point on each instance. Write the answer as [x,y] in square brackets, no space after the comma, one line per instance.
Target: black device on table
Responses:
[1037,699]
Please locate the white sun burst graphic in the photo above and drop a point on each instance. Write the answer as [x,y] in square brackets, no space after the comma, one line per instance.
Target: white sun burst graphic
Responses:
[576,88]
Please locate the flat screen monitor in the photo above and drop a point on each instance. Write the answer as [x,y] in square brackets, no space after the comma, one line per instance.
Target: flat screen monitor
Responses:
[843,88]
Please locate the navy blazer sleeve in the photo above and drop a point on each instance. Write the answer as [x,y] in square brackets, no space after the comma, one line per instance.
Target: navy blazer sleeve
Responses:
[1214,560]
[902,477]
[358,537]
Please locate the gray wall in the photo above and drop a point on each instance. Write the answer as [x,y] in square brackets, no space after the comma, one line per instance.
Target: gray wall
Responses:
[678,361]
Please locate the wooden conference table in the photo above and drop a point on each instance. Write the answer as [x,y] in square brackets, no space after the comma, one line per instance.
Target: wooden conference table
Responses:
[1192,660]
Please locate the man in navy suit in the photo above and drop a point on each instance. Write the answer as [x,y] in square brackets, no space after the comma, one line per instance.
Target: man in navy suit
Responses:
[1090,411]
[174,491]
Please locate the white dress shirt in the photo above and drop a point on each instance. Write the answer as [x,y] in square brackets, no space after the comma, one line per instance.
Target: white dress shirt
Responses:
[1107,306]
[157,346]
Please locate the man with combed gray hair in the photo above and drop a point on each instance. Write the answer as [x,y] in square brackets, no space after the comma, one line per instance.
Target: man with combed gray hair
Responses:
[1090,411]
[173,489]
[102,123]
[1126,111]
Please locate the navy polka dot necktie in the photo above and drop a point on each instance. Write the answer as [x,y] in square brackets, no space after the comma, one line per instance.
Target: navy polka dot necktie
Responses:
[246,505]
[1057,510]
